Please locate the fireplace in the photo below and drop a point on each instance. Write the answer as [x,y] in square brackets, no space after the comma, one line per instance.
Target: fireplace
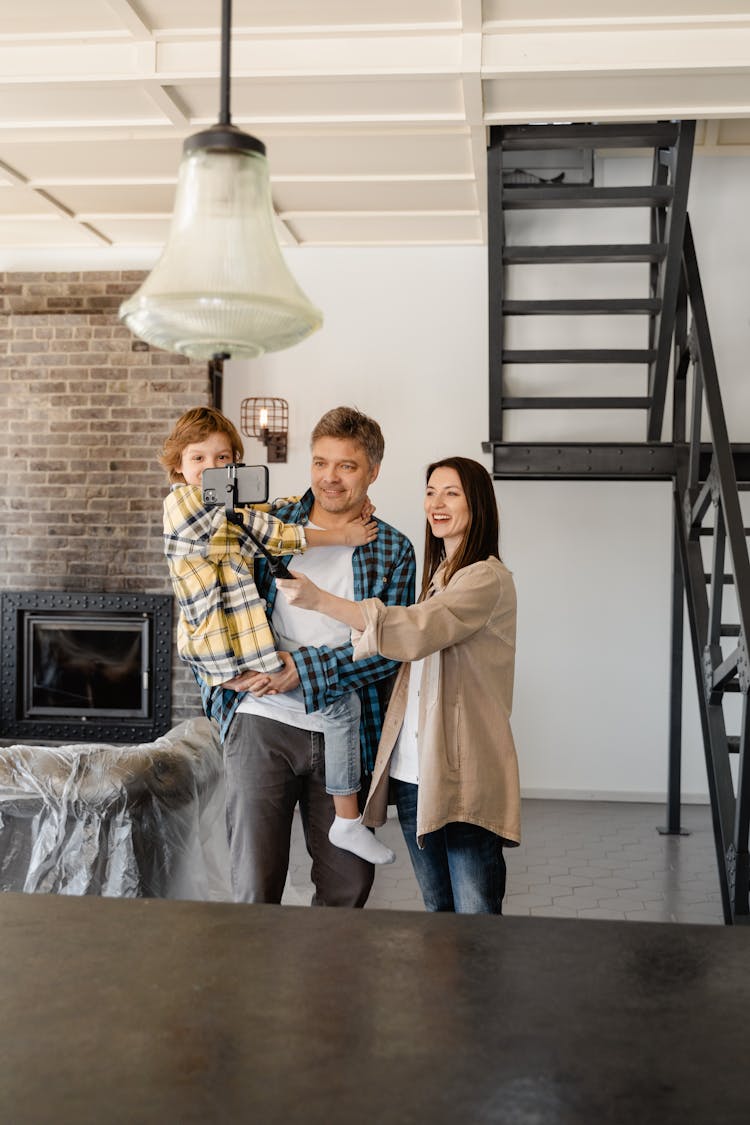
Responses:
[85,667]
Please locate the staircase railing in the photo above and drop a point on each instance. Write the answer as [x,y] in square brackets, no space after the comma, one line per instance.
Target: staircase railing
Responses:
[671,165]
[704,473]
[705,484]
[665,198]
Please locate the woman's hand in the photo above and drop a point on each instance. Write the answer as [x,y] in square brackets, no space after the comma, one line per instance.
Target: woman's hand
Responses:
[300,591]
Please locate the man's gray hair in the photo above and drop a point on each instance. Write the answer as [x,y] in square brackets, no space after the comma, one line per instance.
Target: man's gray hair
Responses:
[349,423]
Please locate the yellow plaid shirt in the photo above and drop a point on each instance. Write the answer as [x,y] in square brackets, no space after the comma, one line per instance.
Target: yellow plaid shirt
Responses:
[222,629]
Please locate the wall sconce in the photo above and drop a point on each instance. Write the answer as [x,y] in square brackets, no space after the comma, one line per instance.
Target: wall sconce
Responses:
[268,420]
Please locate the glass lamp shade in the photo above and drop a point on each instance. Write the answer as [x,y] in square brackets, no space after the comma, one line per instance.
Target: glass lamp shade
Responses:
[221,285]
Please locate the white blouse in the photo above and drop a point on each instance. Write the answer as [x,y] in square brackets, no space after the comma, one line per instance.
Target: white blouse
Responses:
[404,760]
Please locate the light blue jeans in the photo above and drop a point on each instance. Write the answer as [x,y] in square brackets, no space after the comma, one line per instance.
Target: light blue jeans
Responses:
[461,867]
[342,752]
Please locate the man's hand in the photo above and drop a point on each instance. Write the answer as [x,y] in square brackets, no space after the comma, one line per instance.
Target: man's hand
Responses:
[267,683]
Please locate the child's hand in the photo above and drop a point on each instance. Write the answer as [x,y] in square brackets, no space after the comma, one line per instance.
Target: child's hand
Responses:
[362,528]
[357,533]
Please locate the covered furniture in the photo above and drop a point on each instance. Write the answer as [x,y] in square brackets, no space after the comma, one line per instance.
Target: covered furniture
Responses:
[125,821]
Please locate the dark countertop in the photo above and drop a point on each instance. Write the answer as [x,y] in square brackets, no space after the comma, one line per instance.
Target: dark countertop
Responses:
[174,1012]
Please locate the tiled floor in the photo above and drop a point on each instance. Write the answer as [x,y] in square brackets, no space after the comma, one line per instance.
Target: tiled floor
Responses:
[579,859]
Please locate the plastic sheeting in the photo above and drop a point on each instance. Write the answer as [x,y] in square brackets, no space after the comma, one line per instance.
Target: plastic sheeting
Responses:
[123,821]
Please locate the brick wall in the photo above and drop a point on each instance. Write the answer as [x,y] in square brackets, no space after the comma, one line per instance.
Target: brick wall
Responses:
[85,408]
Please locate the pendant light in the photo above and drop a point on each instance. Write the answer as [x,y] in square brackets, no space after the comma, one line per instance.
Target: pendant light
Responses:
[221,285]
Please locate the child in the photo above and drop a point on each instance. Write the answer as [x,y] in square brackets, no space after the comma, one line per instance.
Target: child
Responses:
[223,630]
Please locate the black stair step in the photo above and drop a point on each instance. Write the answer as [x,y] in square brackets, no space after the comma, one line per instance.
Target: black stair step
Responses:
[580,355]
[613,252]
[730,630]
[517,138]
[733,744]
[727,579]
[572,307]
[582,461]
[534,196]
[709,531]
[539,402]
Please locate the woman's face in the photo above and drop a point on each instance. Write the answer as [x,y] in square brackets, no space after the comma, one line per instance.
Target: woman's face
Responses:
[446,508]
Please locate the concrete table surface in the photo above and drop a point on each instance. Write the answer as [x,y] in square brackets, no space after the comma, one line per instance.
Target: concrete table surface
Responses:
[174,1012]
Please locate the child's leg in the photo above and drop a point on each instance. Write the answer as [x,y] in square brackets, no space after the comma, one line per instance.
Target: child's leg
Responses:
[346,805]
[342,752]
[342,760]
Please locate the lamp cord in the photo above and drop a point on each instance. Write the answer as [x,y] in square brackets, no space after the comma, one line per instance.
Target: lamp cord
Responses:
[225,117]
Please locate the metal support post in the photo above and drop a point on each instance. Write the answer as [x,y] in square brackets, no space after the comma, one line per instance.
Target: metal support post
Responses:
[672,827]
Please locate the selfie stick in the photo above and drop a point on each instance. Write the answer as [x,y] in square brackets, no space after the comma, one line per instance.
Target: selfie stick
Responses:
[275,565]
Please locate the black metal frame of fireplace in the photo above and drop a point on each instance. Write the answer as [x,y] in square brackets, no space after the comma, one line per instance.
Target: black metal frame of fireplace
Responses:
[157,608]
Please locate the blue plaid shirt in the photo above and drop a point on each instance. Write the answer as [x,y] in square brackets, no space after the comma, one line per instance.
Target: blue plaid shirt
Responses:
[382,569]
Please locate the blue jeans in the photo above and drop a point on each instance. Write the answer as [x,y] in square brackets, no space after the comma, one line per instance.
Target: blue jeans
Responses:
[341,740]
[461,867]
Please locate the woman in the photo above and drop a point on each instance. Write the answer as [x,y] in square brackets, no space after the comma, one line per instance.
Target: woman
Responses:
[447,751]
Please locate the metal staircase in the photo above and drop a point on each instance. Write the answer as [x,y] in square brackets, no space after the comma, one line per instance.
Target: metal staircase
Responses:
[538,168]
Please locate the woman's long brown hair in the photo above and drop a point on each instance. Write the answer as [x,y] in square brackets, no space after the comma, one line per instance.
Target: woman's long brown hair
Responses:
[481,538]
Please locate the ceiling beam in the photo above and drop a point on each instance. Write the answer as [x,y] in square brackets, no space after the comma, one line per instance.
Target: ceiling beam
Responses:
[473,99]
[129,17]
[20,181]
[169,104]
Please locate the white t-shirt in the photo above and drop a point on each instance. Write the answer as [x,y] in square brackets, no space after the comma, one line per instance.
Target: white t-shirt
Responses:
[331,569]
[404,761]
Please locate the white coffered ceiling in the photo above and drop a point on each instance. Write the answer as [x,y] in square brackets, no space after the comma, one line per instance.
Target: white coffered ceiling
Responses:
[374,112]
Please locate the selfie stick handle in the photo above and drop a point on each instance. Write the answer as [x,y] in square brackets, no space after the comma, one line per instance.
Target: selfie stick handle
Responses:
[275,565]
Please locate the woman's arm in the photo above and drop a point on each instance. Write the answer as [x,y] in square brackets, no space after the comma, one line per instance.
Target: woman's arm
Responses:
[411,632]
[303,593]
[450,617]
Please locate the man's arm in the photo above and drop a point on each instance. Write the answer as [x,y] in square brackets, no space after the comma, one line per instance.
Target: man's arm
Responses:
[326,673]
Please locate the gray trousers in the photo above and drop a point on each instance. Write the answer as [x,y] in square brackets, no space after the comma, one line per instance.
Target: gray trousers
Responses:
[271,767]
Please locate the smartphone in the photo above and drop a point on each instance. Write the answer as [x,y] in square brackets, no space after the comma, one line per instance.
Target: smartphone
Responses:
[247,483]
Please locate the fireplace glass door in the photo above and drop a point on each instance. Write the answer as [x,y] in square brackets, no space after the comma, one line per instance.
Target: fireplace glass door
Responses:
[92,666]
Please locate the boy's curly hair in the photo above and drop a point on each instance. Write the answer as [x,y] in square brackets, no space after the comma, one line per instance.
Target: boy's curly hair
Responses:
[193,426]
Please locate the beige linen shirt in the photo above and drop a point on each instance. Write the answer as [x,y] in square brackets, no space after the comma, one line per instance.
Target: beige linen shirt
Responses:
[468,770]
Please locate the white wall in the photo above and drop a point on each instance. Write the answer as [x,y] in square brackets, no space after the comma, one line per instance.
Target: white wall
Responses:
[405,339]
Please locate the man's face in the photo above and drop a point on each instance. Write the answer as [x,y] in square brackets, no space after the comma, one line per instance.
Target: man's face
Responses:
[340,475]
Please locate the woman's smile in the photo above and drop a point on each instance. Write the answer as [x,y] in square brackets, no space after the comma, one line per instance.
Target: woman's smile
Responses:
[446,507]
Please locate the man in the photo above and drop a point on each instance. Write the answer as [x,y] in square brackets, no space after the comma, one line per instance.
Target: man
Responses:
[273,745]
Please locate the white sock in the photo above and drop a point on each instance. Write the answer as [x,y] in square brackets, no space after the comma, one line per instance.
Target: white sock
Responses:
[352,836]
